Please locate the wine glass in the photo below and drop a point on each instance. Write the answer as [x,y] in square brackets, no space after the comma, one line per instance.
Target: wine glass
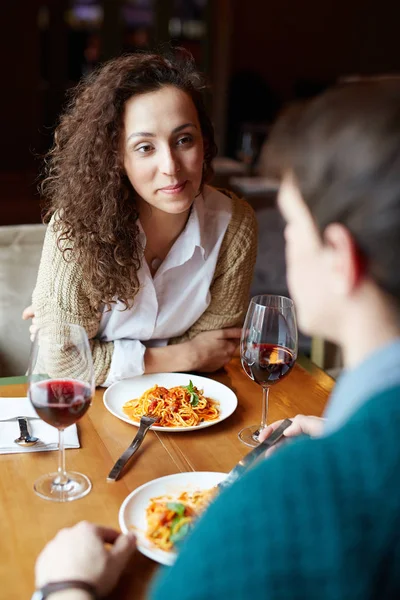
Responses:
[268,349]
[61,386]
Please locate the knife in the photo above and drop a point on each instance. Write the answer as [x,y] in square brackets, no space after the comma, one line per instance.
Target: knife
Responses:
[145,424]
[252,456]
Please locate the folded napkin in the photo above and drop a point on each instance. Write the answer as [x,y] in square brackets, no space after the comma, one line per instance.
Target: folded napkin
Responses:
[48,436]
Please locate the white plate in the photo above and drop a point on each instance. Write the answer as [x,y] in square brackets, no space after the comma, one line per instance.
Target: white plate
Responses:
[132,514]
[120,392]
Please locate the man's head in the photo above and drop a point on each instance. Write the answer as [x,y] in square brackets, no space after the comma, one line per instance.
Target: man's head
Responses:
[340,197]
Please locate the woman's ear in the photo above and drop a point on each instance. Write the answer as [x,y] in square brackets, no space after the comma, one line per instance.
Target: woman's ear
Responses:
[345,260]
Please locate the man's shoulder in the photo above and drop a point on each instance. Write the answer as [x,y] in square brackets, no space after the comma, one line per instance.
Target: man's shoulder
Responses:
[381,410]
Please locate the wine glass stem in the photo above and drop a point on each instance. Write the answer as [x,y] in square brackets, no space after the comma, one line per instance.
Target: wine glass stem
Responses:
[264,413]
[62,477]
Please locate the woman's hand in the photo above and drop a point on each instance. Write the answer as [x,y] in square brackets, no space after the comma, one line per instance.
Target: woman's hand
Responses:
[211,350]
[29,313]
[79,553]
[301,424]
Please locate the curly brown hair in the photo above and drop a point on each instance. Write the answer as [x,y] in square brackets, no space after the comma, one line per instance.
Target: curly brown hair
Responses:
[85,187]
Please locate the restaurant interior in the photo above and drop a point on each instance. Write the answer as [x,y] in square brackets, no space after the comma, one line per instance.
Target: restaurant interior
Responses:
[259,57]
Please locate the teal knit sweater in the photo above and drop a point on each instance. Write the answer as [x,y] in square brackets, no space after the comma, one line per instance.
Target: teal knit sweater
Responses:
[319,520]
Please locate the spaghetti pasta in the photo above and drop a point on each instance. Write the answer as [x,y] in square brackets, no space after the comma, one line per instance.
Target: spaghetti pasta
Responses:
[170,518]
[180,406]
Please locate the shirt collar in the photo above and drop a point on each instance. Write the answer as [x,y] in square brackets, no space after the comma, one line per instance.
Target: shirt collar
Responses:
[379,371]
[197,224]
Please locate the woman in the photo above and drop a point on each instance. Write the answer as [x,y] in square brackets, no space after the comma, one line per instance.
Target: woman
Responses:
[320,518]
[140,251]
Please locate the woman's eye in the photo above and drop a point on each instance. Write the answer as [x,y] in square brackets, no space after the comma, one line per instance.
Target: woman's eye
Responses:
[186,139]
[144,149]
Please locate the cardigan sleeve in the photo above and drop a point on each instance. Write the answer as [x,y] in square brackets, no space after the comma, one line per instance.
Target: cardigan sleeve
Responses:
[230,286]
[60,296]
[318,519]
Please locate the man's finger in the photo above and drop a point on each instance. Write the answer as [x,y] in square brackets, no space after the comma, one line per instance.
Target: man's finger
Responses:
[295,429]
[123,549]
[107,534]
[266,432]
[311,426]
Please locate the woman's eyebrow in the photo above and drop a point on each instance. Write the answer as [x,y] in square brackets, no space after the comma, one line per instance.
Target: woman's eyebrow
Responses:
[177,129]
[149,134]
[140,134]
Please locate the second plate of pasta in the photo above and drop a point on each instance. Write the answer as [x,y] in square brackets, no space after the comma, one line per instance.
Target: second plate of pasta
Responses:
[182,402]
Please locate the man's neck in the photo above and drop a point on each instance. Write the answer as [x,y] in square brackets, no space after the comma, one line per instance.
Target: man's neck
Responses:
[372,322]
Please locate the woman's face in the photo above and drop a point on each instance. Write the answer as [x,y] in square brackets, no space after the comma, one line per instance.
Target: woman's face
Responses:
[163,149]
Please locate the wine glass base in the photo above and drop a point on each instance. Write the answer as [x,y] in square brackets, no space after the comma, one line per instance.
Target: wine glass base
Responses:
[77,486]
[249,436]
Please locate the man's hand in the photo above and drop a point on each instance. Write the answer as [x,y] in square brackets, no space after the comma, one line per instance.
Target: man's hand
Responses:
[301,424]
[211,350]
[79,553]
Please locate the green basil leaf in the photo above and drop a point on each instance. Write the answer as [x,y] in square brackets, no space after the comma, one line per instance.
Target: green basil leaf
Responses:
[177,507]
[190,387]
[194,399]
[180,534]
[174,522]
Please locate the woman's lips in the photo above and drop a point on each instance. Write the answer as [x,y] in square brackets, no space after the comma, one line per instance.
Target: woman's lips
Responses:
[174,189]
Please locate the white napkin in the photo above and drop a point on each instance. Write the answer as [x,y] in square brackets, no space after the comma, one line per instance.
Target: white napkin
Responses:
[48,436]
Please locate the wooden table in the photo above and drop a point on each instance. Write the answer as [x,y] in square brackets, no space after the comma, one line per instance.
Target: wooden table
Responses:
[28,522]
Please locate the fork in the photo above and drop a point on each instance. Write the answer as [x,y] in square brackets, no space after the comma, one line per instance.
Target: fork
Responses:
[145,423]
[16,418]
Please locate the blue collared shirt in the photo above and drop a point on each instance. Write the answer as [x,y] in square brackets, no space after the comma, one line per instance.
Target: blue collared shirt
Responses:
[380,371]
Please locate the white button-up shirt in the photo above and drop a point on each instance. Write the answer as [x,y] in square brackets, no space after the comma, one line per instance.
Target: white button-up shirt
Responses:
[170,303]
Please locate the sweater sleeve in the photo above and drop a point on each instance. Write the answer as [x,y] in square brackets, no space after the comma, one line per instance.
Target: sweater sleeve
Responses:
[60,296]
[318,519]
[230,286]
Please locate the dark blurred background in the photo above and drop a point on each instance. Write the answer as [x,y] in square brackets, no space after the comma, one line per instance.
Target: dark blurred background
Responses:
[259,55]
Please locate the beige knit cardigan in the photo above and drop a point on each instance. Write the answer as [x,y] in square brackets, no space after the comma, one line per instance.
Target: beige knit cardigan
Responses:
[61,292]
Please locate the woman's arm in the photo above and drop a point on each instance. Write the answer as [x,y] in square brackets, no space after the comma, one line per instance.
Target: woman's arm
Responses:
[61,296]
[208,351]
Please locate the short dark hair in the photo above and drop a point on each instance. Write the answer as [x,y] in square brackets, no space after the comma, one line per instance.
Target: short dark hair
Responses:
[344,154]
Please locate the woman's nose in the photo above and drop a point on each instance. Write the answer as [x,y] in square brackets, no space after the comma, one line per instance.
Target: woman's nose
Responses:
[170,163]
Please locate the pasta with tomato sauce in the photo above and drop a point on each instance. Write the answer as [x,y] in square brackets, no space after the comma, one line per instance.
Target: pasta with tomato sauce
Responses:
[170,518]
[180,406]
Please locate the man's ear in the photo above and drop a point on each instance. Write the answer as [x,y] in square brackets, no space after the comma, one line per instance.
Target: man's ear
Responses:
[344,258]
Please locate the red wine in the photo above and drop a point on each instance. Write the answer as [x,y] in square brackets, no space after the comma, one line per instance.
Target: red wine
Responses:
[266,363]
[60,402]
